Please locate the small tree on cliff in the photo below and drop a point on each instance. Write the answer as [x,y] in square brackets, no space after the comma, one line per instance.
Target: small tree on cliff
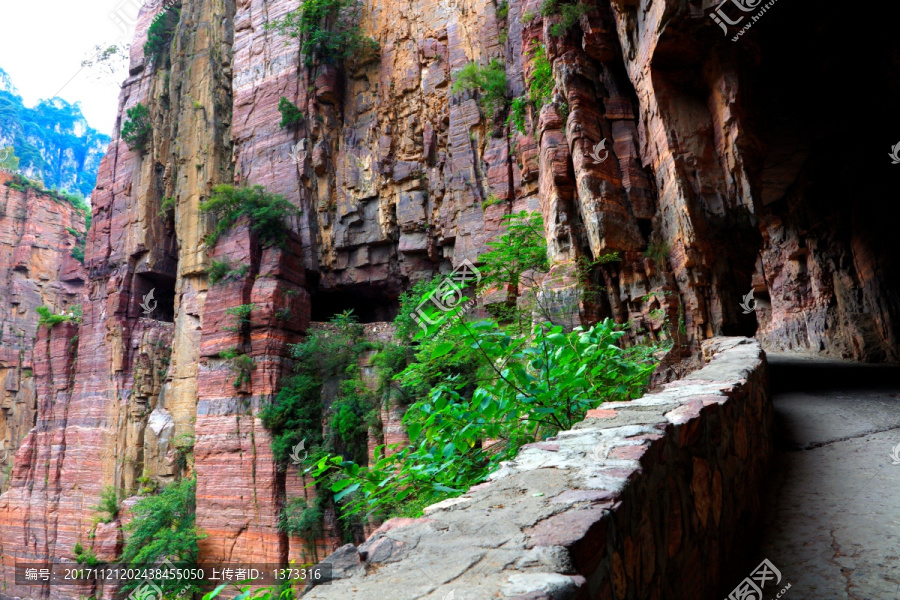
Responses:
[164,527]
[268,213]
[328,30]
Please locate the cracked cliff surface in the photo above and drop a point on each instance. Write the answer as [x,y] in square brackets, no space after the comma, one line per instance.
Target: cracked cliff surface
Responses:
[707,192]
[37,234]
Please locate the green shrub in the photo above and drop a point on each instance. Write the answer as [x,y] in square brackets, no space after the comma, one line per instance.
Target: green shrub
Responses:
[109,504]
[540,385]
[241,314]
[517,114]
[521,249]
[542,82]
[221,271]
[328,30]
[242,365]
[167,206]
[540,90]
[164,527]
[489,81]
[569,13]
[298,519]
[503,9]
[137,128]
[658,250]
[84,557]
[45,317]
[290,114]
[267,213]
[297,413]
[160,34]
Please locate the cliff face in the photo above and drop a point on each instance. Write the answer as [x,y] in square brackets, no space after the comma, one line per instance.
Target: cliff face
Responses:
[392,173]
[37,234]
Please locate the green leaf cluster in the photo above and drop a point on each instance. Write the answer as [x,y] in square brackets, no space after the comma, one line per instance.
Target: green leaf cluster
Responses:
[137,128]
[540,89]
[328,30]
[290,114]
[46,317]
[268,213]
[569,13]
[160,34]
[539,385]
[489,81]
[221,271]
[163,528]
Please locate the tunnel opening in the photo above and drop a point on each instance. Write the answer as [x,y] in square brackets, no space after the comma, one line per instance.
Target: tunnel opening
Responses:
[828,259]
[369,303]
[153,297]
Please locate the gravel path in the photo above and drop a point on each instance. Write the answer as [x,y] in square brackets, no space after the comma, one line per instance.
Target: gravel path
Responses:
[832,518]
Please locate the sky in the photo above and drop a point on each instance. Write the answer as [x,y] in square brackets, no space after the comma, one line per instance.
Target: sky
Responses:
[42,44]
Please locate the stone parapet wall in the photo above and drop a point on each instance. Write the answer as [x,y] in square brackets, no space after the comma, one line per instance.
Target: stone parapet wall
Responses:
[643,499]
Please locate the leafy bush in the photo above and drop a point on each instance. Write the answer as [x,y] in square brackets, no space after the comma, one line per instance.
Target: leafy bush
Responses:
[298,519]
[540,89]
[489,81]
[137,128]
[242,365]
[45,317]
[109,504]
[167,206]
[569,13]
[164,527]
[221,271]
[84,557]
[290,114]
[267,213]
[540,385]
[241,314]
[503,9]
[521,252]
[160,34]
[328,30]
[298,411]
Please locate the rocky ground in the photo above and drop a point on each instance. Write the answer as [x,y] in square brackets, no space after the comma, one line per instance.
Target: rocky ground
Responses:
[833,516]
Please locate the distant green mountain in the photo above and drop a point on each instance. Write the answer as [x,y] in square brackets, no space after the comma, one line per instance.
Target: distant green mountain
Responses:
[53,140]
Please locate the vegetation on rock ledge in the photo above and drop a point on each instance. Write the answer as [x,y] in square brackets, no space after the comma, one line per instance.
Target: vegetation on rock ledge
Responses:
[267,213]
[328,30]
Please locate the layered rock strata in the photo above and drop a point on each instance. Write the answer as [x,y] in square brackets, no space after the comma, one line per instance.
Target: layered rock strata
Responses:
[37,235]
